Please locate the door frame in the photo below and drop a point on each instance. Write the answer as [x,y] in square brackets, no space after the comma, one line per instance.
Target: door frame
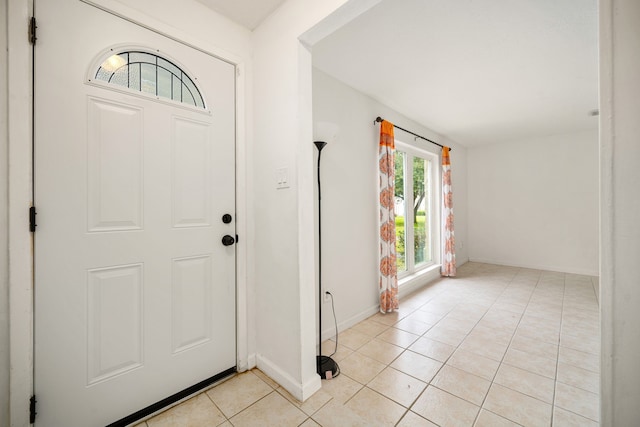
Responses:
[21,242]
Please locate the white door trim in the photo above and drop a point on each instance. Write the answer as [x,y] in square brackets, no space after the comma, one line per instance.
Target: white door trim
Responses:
[20,184]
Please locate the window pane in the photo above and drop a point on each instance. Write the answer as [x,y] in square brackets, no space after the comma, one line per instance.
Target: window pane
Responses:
[151,74]
[169,67]
[164,83]
[420,206]
[195,94]
[103,74]
[187,97]
[142,57]
[177,89]
[400,211]
[120,77]
[148,78]
[134,76]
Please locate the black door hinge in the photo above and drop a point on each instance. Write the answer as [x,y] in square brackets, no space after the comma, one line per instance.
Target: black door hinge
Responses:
[236,238]
[32,409]
[32,30]
[32,219]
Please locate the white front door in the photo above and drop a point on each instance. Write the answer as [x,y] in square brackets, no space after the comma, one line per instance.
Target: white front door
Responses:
[134,290]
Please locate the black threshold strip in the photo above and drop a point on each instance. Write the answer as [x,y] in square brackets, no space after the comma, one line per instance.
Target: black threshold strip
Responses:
[136,416]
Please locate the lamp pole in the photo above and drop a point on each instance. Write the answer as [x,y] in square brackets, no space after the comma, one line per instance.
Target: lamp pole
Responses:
[319,145]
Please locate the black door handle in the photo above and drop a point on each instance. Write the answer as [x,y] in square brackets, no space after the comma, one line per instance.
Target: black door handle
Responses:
[228,240]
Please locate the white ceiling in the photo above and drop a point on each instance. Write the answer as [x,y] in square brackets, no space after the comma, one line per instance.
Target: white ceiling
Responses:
[476,71]
[248,13]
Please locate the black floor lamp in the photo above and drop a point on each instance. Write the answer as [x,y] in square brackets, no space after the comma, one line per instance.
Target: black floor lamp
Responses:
[326,367]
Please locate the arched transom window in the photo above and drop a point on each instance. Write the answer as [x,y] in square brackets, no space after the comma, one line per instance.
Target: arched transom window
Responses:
[150,74]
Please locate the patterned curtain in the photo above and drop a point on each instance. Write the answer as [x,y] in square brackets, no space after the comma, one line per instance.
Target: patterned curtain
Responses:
[449,243]
[388,268]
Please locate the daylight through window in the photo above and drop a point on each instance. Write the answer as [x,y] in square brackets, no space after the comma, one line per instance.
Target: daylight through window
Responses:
[150,74]
[414,209]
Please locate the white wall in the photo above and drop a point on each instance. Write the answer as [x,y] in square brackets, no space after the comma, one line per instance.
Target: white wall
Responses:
[534,203]
[4,253]
[284,226]
[350,214]
[620,211]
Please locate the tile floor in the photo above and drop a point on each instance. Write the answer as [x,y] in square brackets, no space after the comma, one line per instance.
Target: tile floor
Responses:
[496,346]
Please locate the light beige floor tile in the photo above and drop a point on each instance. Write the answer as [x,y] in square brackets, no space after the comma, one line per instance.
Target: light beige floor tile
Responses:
[491,335]
[239,392]
[562,418]
[417,365]
[549,335]
[516,308]
[370,327]
[535,347]
[482,307]
[413,326]
[489,419]
[375,408]
[518,407]
[468,312]
[397,386]
[353,339]
[578,377]
[341,388]
[580,359]
[270,411]
[480,346]
[504,311]
[309,406]
[457,324]
[398,337]
[386,318]
[462,384]
[425,317]
[381,351]
[334,414]
[444,335]
[526,382]
[199,411]
[142,424]
[328,347]
[360,367]
[437,307]
[274,385]
[530,362]
[310,423]
[549,324]
[445,409]
[433,349]
[477,365]
[578,401]
[411,419]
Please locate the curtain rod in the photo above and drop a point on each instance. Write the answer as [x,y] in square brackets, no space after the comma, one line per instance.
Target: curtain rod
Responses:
[380,119]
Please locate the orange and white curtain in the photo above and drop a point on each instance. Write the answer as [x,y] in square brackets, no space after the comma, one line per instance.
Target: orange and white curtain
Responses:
[448,239]
[388,268]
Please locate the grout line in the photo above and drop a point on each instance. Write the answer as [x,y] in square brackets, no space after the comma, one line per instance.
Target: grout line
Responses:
[508,346]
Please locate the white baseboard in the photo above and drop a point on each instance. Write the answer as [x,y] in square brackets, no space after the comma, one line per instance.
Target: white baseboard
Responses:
[329,332]
[251,363]
[584,272]
[297,390]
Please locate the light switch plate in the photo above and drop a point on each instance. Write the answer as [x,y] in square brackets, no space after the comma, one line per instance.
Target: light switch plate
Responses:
[282,178]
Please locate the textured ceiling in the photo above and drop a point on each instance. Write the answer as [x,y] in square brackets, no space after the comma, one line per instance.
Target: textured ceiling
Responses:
[477,71]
